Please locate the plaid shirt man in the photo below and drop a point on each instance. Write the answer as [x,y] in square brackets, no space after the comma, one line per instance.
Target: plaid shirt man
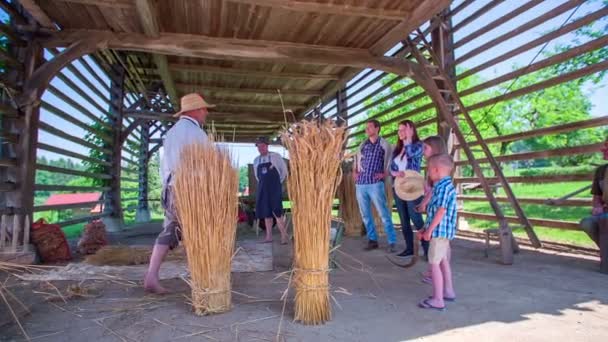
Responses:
[372,162]
[444,196]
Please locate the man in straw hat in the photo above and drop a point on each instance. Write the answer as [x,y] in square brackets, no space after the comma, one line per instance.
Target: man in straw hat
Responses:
[270,171]
[186,131]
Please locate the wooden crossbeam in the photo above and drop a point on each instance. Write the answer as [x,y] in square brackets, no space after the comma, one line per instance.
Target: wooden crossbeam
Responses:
[148,18]
[325,8]
[37,13]
[248,73]
[118,4]
[247,105]
[200,46]
[187,87]
[413,20]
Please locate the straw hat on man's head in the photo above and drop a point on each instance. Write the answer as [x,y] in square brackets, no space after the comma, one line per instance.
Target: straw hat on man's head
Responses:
[192,102]
[410,186]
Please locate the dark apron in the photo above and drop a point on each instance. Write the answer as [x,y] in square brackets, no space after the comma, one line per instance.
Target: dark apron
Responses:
[269,193]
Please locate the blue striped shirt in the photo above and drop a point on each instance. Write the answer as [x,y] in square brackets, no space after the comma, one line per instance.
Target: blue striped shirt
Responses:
[444,196]
[413,153]
[372,162]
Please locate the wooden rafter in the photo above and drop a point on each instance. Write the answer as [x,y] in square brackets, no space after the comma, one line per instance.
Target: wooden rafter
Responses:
[37,13]
[414,19]
[234,49]
[249,73]
[257,105]
[122,4]
[258,91]
[148,18]
[325,8]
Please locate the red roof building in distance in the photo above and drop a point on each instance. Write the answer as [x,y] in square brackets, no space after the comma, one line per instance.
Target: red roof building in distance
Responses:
[62,199]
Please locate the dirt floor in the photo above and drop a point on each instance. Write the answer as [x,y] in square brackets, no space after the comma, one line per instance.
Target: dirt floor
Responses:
[545,296]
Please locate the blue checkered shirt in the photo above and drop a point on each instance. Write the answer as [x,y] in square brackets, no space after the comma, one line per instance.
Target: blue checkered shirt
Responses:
[413,153]
[372,162]
[444,196]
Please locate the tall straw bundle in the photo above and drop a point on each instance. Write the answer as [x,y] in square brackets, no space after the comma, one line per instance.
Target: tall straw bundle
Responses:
[206,200]
[349,208]
[315,152]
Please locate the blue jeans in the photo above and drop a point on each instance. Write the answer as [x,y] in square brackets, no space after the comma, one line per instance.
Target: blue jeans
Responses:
[374,193]
[591,224]
[407,212]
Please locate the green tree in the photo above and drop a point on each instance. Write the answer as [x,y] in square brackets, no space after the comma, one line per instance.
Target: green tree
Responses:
[243,178]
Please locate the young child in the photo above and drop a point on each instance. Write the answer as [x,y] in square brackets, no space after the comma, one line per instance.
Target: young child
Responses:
[440,229]
[431,146]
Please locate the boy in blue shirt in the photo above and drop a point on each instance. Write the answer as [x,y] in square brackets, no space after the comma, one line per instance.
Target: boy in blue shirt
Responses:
[440,229]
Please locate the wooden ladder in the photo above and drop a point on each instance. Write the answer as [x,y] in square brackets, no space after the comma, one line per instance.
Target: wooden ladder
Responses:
[449,103]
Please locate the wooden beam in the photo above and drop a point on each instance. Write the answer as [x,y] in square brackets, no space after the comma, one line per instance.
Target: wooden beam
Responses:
[568,225]
[416,18]
[37,13]
[550,61]
[558,152]
[577,125]
[258,91]
[117,4]
[326,8]
[148,15]
[520,29]
[54,169]
[581,177]
[249,73]
[149,115]
[486,28]
[189,45]
[587,19]
[576,202]
[40,79]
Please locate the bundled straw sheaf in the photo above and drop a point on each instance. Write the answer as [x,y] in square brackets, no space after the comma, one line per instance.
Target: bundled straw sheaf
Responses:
[206,199]
[315,154]
[349,208]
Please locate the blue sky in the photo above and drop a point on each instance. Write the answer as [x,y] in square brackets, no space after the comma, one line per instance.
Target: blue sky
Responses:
[244,153]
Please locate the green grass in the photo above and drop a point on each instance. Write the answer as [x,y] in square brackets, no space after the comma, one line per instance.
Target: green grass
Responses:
[544,191]
[75,230]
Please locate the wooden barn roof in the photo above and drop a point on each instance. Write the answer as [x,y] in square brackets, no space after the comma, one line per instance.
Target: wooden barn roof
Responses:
[242,84]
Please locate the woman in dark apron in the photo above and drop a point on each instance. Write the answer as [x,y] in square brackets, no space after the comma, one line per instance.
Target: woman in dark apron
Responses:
[269,195]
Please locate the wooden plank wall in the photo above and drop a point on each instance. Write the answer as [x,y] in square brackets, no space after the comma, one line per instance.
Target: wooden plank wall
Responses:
[373,90]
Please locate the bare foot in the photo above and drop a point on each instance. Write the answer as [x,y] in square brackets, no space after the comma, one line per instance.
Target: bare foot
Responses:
[266,241]
[284,241]
[153,286]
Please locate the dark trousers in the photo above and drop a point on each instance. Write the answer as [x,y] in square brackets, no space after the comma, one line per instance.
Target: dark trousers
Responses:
[407,215]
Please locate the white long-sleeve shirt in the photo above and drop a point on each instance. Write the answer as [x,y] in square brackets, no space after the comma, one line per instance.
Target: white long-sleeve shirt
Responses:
[276,160]
[186,131]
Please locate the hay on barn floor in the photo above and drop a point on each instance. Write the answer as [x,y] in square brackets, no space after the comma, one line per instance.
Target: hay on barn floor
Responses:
[206,187]
[129,255]
[315,152]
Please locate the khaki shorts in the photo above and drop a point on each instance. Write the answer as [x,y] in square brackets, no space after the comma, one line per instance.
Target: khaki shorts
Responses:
[170,235]
[438,250]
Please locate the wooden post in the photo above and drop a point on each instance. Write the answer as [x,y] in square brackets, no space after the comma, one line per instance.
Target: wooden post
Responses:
[28,141]
[143,211]
[3,229]
[342,106]
[26,233]
[16,232]
[442,42]
[112,201]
